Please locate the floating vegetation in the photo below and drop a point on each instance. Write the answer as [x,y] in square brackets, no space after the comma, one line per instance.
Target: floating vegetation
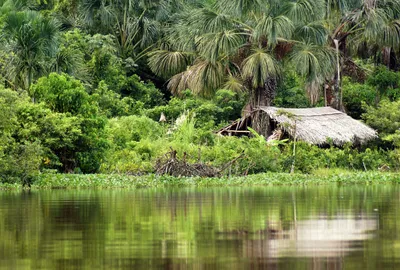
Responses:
[106,181]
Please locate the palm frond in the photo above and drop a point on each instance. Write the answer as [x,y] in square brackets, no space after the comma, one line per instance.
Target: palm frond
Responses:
[273,29]
[31,39]
[391,7]
[234,84]
[213,46]
[88,8]
[239,8]
[108,15]
[316,64]
[203,78]
[167,63]
[179,35]
[313,33]
[179,83]
[375,20]
[259,66]
[70,61]
[206,20]
[313,62]
[149,32]
[206,77]
[49,34]
[304,11]
[390,35]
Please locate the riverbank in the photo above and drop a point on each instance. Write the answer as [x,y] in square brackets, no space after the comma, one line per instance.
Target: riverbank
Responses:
[105,181]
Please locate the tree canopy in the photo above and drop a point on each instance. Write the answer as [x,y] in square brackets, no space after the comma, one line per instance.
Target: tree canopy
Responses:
[75,74]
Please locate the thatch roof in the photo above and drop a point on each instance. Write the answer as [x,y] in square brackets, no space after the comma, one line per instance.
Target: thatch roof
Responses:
[320,125]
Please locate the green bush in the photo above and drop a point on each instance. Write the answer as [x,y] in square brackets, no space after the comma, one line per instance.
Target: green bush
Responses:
[63,94]
[138,90]
[355,95]
[385,119]
[225,106]
[310,158]
[133,128]
[20,158]
[386,82]
[140,141]
[110,103]
[67,122]
[290,92]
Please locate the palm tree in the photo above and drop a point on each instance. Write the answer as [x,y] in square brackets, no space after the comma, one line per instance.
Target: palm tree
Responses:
[30,39]
[136,25]
[367,26]
[70,61]
[243,45]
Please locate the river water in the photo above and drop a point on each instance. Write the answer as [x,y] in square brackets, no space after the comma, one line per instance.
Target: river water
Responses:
[320,227]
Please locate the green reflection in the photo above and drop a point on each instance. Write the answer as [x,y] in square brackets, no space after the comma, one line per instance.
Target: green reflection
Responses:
[327,227]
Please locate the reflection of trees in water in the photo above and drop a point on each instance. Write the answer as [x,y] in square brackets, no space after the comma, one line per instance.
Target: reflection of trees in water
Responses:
[185,227]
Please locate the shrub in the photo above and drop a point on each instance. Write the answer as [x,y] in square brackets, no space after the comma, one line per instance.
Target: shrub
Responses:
[385,119]
[386,82]
[226,105]
[291,93]
[67,122]
[20,158]
[126,129]
[355,95]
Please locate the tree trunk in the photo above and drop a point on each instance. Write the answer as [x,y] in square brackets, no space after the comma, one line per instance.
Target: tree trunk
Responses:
[386,56]
[333,87]
[262,96]
[337,100]
[389,58]
[30,76]
[294,147]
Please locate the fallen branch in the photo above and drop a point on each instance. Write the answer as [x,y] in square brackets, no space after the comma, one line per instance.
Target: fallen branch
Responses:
[169,164]
[230,163]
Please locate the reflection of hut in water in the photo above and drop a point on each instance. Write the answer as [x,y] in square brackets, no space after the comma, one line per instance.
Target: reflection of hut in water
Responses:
[313,125]
[316,238]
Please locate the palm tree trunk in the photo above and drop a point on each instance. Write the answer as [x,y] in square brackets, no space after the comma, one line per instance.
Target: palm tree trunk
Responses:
[386,53]
[30,75]
[263,96]
[338,93]
[294,147]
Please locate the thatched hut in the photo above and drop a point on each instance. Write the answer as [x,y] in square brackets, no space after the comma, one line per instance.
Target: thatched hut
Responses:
[318,126]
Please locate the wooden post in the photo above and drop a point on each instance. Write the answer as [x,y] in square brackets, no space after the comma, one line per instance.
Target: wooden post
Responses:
[294,148]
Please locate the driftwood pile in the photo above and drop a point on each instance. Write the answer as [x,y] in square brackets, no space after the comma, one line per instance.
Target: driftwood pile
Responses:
[170,164]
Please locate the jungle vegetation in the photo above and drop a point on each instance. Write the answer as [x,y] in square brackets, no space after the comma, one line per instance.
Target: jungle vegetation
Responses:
[84,82]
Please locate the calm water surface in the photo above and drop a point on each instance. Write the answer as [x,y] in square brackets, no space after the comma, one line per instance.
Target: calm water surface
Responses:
[329,227]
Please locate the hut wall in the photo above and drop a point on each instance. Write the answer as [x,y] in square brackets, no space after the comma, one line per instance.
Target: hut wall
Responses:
[261,122]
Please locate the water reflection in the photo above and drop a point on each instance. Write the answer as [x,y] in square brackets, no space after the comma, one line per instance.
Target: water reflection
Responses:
[226,228]
[315,238]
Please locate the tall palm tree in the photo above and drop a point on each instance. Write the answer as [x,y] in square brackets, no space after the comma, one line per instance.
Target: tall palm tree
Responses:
[136,25]
[242,44]
[30,39]
[362,28]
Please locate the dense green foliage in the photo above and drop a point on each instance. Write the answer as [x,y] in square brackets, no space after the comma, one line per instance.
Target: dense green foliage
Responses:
[91,86]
